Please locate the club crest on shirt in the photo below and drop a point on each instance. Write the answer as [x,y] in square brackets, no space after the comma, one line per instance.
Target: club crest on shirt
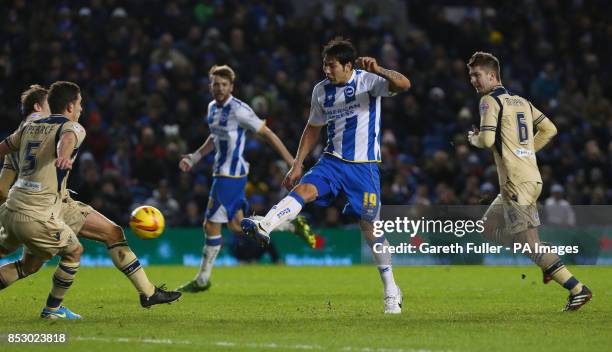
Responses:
[79,129]
[349,91]
[484,107]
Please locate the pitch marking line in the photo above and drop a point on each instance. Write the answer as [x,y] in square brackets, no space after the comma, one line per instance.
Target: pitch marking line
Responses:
[229,344]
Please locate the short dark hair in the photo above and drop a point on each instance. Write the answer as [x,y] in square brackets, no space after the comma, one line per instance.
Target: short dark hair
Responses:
[222,71]
[486,60]
[36,94]
[341,49]
[61,94]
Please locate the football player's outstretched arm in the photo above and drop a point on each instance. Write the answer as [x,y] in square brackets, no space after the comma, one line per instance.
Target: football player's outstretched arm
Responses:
[278,145]
[546,131]
[397,81]
[188,160]
[310,137]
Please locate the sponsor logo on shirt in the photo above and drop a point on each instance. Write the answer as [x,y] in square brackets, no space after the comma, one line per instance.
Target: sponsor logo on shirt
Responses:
[524,153]
[34,186]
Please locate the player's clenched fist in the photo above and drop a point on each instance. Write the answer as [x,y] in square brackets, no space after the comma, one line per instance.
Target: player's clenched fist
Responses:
[186,164]
[473,135]
[367,63]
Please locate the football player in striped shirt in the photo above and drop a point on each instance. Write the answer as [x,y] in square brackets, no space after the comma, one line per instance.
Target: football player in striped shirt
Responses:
[508,125]
[229,119]
[348,103]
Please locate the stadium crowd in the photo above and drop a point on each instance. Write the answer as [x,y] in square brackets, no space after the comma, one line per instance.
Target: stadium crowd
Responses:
[143,73]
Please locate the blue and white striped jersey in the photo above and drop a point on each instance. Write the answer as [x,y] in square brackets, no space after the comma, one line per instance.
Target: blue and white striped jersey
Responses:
[352,114]
[227,125]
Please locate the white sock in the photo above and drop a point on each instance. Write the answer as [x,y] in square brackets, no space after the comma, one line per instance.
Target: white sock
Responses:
[287,209]
[383,263]
[286,226]
[386,275]
[210,252]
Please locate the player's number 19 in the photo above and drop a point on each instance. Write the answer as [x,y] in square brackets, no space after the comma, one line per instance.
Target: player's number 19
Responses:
[369,200]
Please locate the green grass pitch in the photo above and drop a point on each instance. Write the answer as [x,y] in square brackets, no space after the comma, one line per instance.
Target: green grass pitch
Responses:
[277,308]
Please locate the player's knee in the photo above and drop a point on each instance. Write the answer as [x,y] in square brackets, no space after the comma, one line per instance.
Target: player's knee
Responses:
[75,254]
[29,267]
[367,230]
[115,235]
[79,250]
[307,191]
[209,228]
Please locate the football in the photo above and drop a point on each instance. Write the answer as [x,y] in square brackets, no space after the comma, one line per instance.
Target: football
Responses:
[147,222]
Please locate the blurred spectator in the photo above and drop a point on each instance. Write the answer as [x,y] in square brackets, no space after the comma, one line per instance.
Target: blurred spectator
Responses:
[119,162]
[168,57]
[113,201]
[162,200]
[192,216]
[184,189]
[200,191]
[558,210]
[149,160]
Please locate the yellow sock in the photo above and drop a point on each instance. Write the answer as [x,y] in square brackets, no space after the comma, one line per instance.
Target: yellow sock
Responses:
[552,265]
[126,261]
[62,280]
